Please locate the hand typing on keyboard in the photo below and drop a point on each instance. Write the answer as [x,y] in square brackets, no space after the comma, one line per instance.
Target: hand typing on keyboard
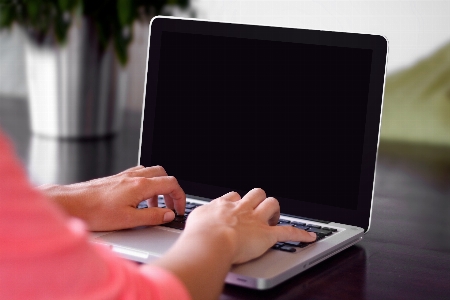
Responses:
[110,203]
[247,223]
[226,231]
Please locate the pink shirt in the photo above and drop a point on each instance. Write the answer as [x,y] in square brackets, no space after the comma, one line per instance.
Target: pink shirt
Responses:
[46,254]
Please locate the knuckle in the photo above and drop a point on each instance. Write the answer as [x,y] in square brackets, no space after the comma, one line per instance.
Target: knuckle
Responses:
[159,169]
[260,190]
[217,200]
[172,179]
[138,181]
[123,180]
[273,201]
[235,194]
[129,173]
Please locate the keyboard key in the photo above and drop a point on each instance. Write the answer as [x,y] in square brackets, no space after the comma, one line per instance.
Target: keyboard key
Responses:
[298,223]
[293,244]
[175,225]
[320,236]
[179,218]
[143,204]
[284,224]
[287,249]
[320,231]
[315,226]
[301,227]
[277,246]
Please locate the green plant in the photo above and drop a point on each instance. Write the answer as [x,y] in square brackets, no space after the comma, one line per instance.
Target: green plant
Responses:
[48,21]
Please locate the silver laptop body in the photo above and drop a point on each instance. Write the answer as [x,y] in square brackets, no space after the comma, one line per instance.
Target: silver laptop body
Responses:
[362,69]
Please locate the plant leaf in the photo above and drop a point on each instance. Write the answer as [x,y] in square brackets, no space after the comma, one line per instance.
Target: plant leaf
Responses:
[121,45]
[64,4]
[125,11]
[7,15]
[33,9]
[68,5]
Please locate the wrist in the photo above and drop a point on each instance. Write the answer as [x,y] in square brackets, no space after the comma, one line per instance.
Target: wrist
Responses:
[53,192]
[56,193]
[220,239]
[206,253]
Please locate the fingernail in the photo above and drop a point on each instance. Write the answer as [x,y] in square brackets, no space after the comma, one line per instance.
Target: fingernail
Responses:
[313,234]
[169,216]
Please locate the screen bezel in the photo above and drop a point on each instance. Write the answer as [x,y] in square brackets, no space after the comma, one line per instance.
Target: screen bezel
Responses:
[378,44]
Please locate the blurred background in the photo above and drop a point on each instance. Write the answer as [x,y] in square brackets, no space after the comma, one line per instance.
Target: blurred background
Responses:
[416,106]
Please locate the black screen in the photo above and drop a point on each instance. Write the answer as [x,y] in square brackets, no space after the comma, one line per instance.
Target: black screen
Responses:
[238,113]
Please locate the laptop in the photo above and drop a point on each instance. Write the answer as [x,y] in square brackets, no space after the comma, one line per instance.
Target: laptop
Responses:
[296,112]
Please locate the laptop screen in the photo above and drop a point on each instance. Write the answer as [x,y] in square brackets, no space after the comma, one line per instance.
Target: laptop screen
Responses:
[235,113]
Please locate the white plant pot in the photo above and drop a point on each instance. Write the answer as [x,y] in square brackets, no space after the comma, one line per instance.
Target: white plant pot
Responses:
[75,90]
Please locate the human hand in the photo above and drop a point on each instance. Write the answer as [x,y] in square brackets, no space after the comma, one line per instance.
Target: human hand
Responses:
[247,223]
[110,203]
[226,231]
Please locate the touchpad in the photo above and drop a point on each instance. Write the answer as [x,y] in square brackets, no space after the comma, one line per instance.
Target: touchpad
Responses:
[141,243]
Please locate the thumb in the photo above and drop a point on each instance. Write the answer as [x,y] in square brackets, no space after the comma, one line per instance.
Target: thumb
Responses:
[152,216]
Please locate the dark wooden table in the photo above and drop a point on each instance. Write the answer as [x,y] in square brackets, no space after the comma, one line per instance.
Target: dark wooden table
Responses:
[405,255]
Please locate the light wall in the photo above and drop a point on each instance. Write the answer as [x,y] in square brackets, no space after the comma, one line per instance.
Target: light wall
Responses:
[414,28]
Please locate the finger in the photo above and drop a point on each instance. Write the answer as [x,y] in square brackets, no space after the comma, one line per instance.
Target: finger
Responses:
[254,197]
[169,202]
[153,201]
[149,172]
[169,187]
[290,233]
[269,210]
[231,196]
[149,216]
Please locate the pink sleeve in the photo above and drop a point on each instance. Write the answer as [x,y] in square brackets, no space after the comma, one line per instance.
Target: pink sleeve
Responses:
[45,254]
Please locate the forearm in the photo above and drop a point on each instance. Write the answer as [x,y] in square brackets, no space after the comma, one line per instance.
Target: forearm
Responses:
[200,263]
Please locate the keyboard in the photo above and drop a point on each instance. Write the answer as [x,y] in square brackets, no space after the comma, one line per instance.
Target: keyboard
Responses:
[290,246]
[180,220]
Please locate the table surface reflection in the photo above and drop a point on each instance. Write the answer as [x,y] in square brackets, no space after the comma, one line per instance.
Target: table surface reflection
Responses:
[405,255]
